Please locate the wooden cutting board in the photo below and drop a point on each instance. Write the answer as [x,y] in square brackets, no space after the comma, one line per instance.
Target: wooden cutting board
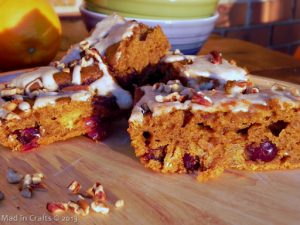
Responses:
[150,198]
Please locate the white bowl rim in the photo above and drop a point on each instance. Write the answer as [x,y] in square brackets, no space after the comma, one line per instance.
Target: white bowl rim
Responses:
[169,21]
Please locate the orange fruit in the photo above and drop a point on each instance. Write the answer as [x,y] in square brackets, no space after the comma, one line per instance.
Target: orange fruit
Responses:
[30,33]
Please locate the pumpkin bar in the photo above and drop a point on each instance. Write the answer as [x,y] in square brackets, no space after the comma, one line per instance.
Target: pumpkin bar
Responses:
[131,49]
[78,95]
[178,128]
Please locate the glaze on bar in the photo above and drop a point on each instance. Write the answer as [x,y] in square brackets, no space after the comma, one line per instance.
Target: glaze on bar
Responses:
[201,66]
[110,31]
[221,101]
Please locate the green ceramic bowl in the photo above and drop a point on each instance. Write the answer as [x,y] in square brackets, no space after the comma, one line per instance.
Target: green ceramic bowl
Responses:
[155,9]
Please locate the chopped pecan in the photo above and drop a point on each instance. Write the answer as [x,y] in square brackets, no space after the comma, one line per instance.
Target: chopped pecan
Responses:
[13,177]
[119,203]
[215,57]
[59,65]
[93,53]
[278,87]
[10,106]
[96,192]
[81,207]
[84,45]
[234,87]
[175,96]
[9,91]
[159,87]
[295,92]
[39,187]
[188,92]
[26,192]
[145,109]
[35,85]
[37,178]
[201,99]
[173,86]
[252,90]
[12,116]
[73,206]
[100,207]
[74,187]
[57,207]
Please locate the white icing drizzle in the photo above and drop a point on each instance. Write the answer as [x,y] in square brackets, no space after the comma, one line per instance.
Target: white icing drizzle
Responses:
[221,102]
[76,76]
[202,67]
[106,85]
[116,35]
[24,106]
[72,54]
[110,31]
[103,28]
[44,73]
[50,98]
[100,34]
[173,58]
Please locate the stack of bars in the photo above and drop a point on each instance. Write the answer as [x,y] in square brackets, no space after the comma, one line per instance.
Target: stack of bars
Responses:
[189,113]
[80,93]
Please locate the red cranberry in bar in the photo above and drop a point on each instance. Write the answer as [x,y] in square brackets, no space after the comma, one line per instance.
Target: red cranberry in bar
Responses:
[95,129]
[28,137]
[266,151]
[215,57]
[191,163]
[158,154]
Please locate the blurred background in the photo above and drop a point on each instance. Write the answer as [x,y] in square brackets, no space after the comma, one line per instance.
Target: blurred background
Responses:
[270,23]
[33,34]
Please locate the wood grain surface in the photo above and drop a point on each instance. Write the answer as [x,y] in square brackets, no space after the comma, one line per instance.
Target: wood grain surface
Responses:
[236,197]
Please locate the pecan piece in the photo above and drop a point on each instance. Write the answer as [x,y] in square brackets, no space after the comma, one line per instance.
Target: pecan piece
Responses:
[26,192]
[201,99]
[37,178]
[100,207]
[56,207]
[13,177]
[96,192]
[215,57]
[233,87]
[74,187]
[81,207]
[119,203]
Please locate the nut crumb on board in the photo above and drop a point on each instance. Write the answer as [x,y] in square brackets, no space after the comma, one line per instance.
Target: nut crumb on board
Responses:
[93,198]
[119,203]
[13,177]
[28,183]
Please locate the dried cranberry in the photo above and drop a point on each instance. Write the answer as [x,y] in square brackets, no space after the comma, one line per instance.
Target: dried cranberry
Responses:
[28,137]
[158,154]
[101,103]
[215,57]
[191,163]
[266,151]
[96,129]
